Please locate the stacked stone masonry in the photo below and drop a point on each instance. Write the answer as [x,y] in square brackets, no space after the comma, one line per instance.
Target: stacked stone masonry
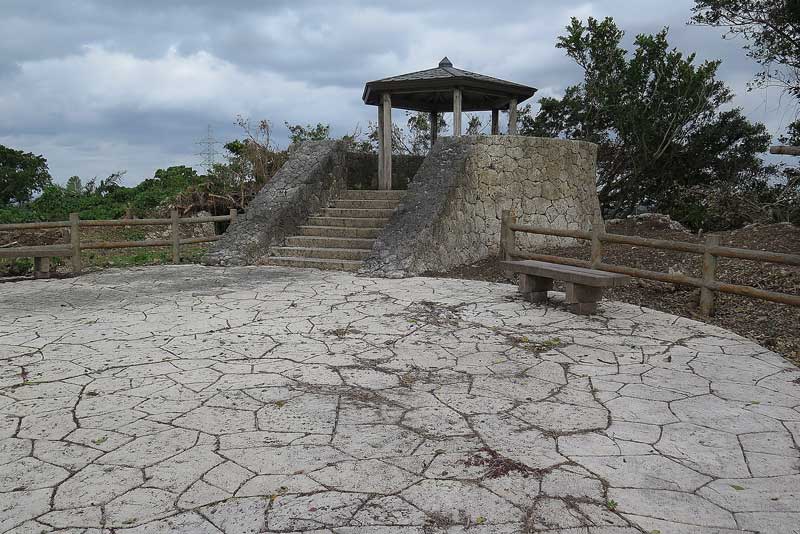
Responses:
[313,175]
[452,212]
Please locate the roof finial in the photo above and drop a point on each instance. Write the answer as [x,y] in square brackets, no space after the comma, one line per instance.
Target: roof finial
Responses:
[445,62]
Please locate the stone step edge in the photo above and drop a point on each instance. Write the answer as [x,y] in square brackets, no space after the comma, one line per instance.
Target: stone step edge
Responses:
[344,222]
[315,261]
[331,242]
[338,228]
[356,215]
[323,250]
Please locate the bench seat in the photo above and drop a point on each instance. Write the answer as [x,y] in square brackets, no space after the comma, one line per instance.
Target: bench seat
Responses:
[584,286]
[41,256]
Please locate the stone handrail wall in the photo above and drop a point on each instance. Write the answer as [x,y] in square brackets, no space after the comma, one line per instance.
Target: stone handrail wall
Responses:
[451,214]
[312,176]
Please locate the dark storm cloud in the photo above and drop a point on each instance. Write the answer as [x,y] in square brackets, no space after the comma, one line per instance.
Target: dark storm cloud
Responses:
[99,85]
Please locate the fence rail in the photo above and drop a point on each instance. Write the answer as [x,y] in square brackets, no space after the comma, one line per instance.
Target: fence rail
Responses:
[710,251]
[74,247]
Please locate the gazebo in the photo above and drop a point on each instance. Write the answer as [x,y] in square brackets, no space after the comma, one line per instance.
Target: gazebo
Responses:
[438,90]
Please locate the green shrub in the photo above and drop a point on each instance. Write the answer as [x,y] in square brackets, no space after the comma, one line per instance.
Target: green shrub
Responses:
[16,266]
[15,215]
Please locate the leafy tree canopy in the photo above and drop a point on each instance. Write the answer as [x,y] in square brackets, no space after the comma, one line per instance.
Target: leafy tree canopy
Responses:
[299,133]
[22,174]
[655,115]
[771,29]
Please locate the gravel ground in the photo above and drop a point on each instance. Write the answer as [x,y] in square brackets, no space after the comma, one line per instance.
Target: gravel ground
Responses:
[775,326]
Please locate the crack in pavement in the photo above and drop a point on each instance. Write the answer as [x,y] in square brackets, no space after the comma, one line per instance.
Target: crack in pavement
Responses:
[196,399]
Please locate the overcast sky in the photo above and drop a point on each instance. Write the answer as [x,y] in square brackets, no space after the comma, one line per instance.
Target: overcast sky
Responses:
[98,86]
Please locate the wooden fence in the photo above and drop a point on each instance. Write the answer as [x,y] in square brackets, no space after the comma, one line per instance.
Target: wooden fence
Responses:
[710,251]
[75,246]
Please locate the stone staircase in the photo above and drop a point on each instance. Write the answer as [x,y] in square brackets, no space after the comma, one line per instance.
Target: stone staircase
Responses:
[340,236]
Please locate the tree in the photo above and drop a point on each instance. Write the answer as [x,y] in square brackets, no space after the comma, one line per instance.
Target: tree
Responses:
[299,133]
[74,186]
[22,174]
[417,140]
[771,29]
[474,124]
[792,136]
[251,162]
[655,116]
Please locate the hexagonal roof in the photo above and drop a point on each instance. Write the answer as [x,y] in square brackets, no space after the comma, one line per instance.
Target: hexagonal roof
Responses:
[432,90]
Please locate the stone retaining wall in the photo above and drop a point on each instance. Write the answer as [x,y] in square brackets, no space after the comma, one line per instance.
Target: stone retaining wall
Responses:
[451,214]
[312,176]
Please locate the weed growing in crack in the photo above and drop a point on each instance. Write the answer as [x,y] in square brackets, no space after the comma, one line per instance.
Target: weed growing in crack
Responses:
[536,347]
[498,465]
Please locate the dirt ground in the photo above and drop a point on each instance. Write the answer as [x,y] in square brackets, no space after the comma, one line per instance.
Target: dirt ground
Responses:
[772,325]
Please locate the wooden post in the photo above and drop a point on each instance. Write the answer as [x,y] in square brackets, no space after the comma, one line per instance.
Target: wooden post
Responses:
[176,237]
[75,242]
[785,150]
[456,112]
[434,127]
[385,181]
[512,117]
[232,213]
[41,267]
[380,142]
[507,242]
[495,122]
[597,248]
[709,271]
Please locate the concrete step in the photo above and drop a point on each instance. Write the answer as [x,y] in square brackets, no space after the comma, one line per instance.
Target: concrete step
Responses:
[339,232]
[348,222]
[365,204]
[331,265]
[371,194]
[329,242]
[322,253]
[347,212]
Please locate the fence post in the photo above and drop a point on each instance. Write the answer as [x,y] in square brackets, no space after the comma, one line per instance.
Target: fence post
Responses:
[233,214]
[507,242]
[176,238]
[75,242]
[597,248]
[709,271]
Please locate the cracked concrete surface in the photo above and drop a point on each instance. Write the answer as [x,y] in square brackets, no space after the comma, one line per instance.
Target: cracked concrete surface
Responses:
[195,399]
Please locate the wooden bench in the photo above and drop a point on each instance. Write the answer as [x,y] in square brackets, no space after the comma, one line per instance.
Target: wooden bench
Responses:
[41,256]
[584,286]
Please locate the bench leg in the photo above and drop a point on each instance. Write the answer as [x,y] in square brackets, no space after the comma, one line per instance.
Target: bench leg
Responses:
[581,299]
[41,267]
[535,288]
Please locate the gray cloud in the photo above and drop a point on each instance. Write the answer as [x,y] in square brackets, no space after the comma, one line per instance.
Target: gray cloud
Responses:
[102,85]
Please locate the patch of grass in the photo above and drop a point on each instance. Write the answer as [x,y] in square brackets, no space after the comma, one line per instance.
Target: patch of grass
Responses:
[140,256]
[535,346]
[16,266]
